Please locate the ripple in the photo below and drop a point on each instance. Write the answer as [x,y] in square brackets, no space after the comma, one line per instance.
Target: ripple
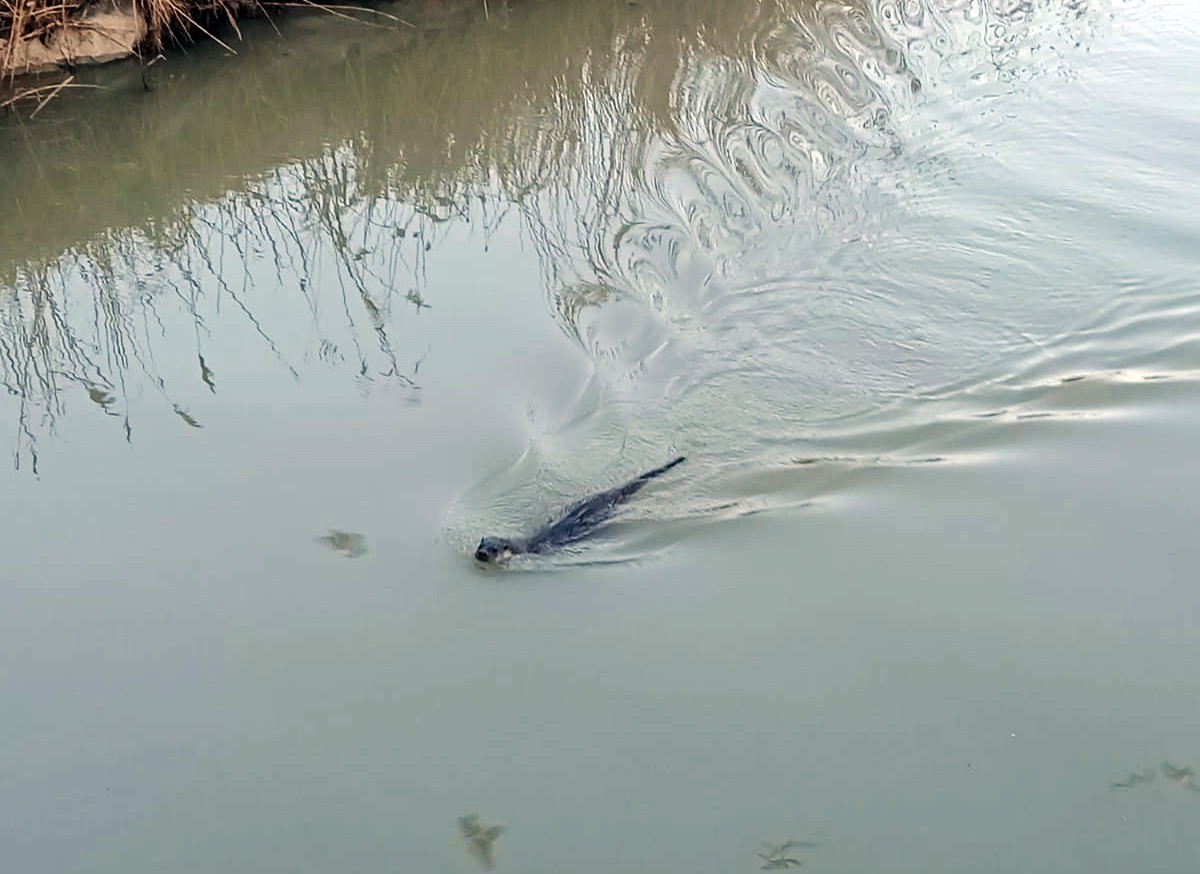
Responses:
[833,246]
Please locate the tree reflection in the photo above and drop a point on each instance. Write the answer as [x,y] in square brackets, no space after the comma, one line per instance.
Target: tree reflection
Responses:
[97,315]
[643,147]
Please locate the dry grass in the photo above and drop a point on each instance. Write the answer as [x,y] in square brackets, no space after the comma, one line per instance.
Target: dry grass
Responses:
[40,94]
[22,20]
[167,21]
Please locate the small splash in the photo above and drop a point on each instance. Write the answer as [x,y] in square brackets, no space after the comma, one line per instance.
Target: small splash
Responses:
[348,543]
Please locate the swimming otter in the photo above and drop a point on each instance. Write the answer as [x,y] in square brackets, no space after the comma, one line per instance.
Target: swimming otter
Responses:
[579,520]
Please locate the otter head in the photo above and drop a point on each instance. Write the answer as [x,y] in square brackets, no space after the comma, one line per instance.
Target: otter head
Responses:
[495,550]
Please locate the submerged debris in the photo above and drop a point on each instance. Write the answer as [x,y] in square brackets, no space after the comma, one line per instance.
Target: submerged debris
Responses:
[102,398]
[1147,775]
[1185,776]
[778,856]
[480,839]
[348,543]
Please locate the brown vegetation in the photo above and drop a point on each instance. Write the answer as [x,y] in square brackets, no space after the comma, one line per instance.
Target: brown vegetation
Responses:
[40,36]
[55,36]
[40,19]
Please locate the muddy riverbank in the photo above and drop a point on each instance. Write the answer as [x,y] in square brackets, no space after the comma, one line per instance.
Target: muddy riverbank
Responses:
[46,36]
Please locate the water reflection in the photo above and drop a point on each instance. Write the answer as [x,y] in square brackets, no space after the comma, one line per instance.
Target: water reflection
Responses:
[814,247]
[102,315]
[780,232]
[783,196]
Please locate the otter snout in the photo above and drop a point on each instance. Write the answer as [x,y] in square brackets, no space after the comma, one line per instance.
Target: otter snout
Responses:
[494,549]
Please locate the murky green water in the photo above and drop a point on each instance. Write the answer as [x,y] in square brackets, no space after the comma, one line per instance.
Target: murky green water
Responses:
[913,284]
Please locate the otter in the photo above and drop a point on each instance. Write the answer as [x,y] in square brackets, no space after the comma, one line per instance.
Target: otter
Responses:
[577,522]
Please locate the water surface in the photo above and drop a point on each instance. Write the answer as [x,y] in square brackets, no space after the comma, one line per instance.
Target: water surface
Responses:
[913,285]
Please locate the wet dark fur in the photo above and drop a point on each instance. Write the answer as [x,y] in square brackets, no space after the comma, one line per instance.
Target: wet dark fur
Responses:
[579,520]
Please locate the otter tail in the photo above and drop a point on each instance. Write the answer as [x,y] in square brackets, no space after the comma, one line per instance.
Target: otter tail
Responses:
[658,471]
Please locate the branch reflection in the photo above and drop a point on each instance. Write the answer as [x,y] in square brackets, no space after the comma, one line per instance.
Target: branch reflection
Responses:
[645,148]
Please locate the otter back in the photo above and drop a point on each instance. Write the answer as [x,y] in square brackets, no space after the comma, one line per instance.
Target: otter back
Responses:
[577,522]
[585,516]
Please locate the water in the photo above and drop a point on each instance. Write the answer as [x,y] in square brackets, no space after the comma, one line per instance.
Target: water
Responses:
[912,284]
